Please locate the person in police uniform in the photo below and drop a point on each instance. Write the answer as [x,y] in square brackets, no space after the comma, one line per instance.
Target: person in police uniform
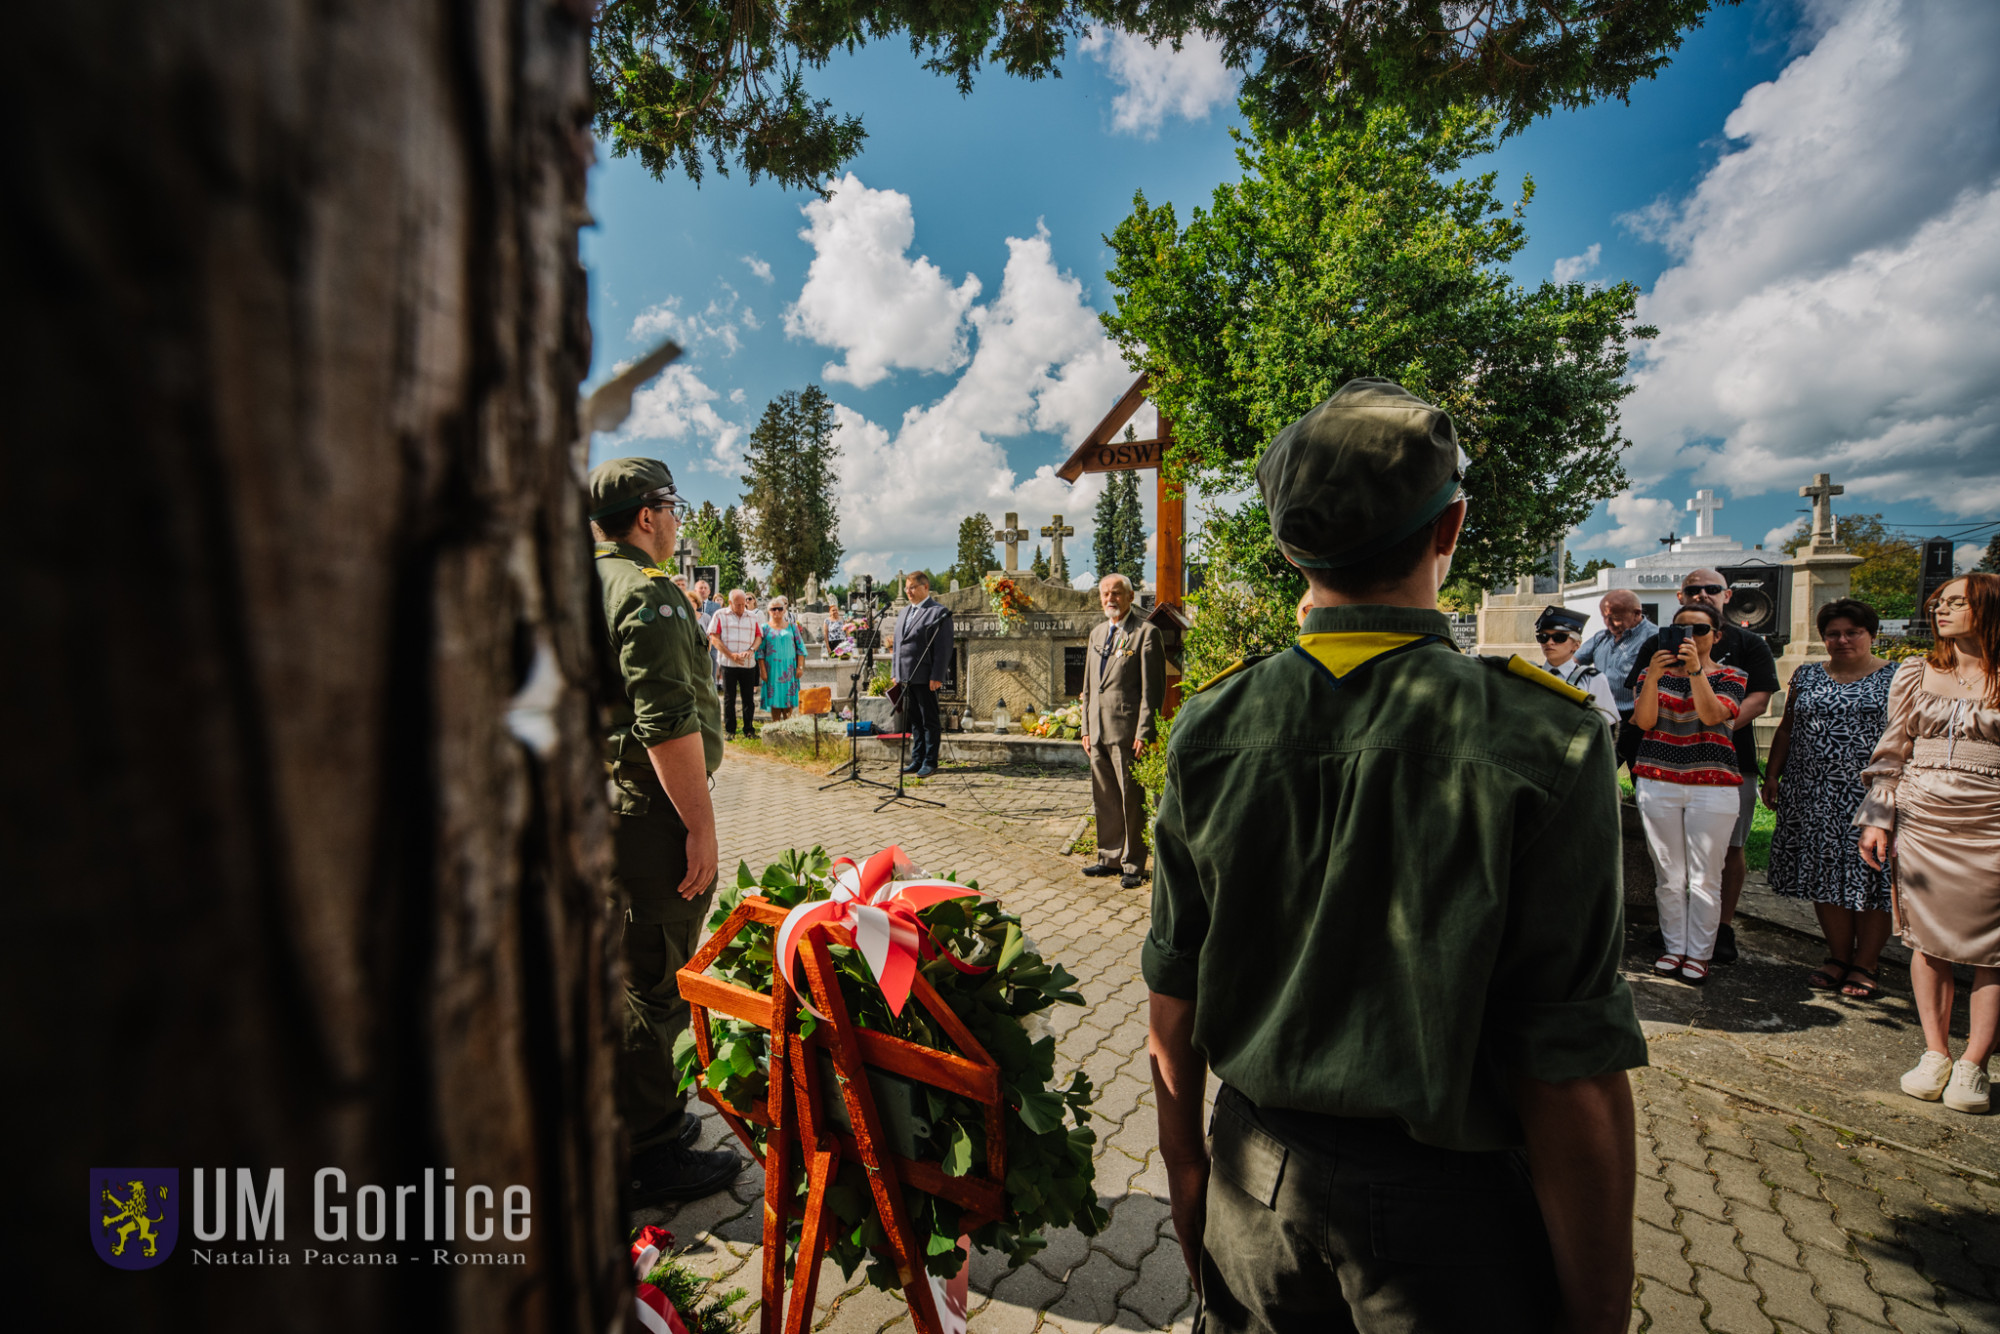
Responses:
[1559,631]
[1386,912]
[666,739]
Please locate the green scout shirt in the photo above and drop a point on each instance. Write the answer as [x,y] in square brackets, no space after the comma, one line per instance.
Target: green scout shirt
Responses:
[668,692]
[1388,875]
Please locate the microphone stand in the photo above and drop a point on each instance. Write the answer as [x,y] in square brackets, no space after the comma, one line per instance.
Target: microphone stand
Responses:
[868,639]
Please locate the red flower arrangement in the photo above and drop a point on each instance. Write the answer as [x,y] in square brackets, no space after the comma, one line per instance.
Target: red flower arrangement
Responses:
[1007,600]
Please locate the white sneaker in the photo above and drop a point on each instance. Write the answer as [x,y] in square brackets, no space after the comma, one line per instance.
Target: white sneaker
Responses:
[1968,1091]
[1927,1081]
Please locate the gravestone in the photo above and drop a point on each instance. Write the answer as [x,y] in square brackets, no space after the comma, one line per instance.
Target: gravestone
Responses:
[1026,665]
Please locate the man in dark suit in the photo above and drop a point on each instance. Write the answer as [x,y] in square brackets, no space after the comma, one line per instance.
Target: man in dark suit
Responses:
[920,648]
[1124,684]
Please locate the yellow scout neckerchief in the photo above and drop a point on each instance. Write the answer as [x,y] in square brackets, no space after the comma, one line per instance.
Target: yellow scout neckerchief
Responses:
[1343,652]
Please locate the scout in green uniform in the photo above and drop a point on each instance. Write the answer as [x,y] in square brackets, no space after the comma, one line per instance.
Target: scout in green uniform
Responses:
[1386,912]
[666,739]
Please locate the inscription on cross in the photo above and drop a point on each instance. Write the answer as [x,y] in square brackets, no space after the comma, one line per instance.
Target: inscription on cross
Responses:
[1013,535]
[1821,493]
[1056,532]
[1704,505]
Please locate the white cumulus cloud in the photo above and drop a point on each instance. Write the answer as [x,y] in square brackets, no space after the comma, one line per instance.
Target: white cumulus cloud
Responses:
[1835,300]
[717,323]
[1966,558]
[865,296]
[761,268]
[679,406]
[1572,267]
[1638,524]
[1041,362]
[1155,81]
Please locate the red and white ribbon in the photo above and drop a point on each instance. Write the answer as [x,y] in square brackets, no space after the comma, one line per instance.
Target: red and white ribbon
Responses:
[881,911]
[656,1313]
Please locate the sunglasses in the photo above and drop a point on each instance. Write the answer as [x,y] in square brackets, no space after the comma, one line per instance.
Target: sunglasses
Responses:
[1713,590]
[1554,637]
[1698,630]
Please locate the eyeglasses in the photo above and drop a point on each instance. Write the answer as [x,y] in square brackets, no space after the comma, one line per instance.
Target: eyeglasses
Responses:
[679,508]
[1951,604]
[1554,637]
[1711,589]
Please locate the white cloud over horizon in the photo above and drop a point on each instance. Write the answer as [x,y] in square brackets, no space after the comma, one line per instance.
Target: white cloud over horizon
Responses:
[1573,267]
[679,405]
[866,297]
[1156,82]
[1638,524]
[1835,297]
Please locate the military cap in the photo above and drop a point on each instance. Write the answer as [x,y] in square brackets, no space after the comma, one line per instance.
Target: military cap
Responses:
[1358,474]
[617,485]
[1560,618]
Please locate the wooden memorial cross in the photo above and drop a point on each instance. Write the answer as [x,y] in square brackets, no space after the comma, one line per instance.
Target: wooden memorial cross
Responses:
[798,1131]
[1013,535]
[1101,451]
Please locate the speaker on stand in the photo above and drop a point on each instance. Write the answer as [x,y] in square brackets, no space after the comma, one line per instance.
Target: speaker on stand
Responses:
[1760,601]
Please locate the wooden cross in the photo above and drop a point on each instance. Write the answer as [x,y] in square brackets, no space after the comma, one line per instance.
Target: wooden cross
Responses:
[1013,535]
[1704,505]
[1055,532]
[1822,492]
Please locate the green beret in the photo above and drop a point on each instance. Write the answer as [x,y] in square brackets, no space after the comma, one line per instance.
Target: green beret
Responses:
[1358,474]
[617,485]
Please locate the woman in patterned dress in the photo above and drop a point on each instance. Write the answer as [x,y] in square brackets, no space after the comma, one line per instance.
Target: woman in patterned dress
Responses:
[1936,785]
[1834,713]
[1687,781]
[779,654]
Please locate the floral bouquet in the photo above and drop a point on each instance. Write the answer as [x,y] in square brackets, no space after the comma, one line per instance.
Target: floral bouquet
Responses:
[994,979]
[1007,600]
[1066,722]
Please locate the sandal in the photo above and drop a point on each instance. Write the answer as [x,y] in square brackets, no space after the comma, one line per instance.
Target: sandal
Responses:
[1667,965]
[1864,987]
[1694,972]
[1821,980]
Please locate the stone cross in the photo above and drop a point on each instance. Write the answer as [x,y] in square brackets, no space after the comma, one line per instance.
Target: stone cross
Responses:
[1055,532]
[1822,492]
[1704,505]
[1013,535]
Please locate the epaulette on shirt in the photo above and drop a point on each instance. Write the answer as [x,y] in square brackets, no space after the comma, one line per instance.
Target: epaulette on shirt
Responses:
[1232,669]
[1527,671]
[655,572]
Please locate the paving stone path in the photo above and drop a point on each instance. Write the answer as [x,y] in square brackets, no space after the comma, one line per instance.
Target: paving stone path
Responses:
[1747,1220]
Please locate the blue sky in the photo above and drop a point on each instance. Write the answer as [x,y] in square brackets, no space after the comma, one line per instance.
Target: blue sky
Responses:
[1809,196]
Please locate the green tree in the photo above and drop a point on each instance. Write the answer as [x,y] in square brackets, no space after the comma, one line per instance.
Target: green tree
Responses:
[975,550]
[790,519]
[693,84]
[1574,573]
[1891,569]
[1104,526]
[1039,566]
[1990,562]
[718,541]
[1131,530]
[1355,251]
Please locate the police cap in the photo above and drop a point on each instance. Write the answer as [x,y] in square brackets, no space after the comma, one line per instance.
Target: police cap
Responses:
[1560,618]
[1358,474]
[617,485]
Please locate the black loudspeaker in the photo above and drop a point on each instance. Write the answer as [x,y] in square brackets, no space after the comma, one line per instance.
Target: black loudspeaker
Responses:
[1758,598]
[1937,573]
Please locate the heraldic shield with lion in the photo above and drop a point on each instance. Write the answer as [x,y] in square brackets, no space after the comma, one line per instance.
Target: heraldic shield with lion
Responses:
[135,1214]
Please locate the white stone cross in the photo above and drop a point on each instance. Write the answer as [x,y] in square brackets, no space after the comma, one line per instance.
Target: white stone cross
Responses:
[1822,492]
[1704,505]
[1013,535]
[1055,532]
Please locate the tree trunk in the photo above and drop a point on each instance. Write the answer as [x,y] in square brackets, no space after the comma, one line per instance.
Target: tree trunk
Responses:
[295,323]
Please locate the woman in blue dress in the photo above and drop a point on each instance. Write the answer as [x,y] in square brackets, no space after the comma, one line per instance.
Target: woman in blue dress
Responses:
[1834,714]
[779,654]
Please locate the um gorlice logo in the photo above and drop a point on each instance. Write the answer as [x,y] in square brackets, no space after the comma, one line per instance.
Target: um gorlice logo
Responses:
[135,1214]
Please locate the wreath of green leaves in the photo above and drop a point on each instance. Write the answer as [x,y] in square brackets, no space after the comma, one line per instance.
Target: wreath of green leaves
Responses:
[1051,1175]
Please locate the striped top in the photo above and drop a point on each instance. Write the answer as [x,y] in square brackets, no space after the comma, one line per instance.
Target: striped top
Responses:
[1680,747]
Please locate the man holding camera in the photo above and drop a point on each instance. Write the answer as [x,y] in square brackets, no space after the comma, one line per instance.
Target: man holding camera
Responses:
[1749,654]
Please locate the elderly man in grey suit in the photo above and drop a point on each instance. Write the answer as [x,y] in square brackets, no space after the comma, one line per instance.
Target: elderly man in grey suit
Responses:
[1124,684]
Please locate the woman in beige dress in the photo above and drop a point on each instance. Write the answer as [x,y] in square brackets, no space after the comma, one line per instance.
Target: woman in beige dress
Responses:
[1935,781]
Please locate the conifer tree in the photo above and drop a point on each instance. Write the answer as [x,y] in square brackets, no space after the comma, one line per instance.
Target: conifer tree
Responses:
[1990,562]
[789,516]
[1039,566]
[975,550]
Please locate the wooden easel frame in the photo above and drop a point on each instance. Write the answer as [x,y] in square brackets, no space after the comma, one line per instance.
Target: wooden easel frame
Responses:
[797,1130]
